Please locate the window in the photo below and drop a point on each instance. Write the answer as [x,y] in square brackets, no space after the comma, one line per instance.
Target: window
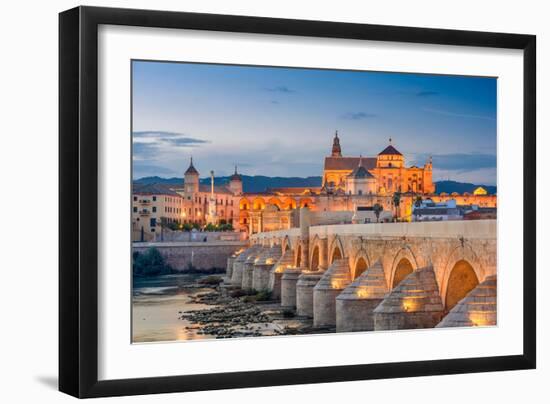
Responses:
[154,208]
[153,222]
[135,198]
[154,198]
[135,209]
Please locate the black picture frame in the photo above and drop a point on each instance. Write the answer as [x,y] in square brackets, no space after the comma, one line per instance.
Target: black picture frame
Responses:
[78,196]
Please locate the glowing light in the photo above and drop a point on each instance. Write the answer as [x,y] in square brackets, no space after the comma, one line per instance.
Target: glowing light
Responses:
[478,319]
[410,304]
[362,293]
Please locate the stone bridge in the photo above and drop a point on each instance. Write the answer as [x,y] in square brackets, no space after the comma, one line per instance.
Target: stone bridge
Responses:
[378,276]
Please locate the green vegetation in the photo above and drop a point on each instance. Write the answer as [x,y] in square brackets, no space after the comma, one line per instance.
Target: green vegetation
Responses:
[211,280]
[288,313]
[218,227]
[149,263]
[252,295]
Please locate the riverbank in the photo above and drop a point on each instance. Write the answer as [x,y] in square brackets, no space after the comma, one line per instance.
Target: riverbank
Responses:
[182,307]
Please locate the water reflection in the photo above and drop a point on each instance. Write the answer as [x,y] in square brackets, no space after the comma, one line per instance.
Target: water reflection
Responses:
[156,303]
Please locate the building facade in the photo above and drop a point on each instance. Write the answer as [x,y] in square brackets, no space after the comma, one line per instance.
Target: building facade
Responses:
[351,188]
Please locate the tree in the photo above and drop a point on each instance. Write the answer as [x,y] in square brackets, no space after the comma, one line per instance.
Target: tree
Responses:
[396,203]
[417,204]
[149,263]
[377,208]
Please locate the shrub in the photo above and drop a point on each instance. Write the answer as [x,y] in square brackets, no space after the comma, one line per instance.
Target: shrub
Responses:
[210,280]
[149,263]
[288,313]
[263,295]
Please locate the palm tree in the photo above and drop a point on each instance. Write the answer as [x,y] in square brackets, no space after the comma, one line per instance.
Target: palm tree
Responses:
[417,203]
[377,208]
[396,202]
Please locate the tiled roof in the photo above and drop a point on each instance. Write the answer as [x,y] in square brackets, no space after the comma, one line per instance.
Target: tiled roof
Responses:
[218,189]
[154,189]
[390,150]
[361,172]
[348,163]
[293,190]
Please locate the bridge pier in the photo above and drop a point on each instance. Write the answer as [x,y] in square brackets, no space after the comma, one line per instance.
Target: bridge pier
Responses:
[263,265]
[229,267]
[276,273]
[248,268]
[331,284]
[355,305]
[478,308]
[288,287]
[304,292]
[238,265]
[414,303]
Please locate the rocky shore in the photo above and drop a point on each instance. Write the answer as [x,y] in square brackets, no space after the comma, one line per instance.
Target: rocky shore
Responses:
[252,315]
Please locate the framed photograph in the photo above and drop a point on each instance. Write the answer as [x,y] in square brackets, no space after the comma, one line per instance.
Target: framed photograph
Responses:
[251,201]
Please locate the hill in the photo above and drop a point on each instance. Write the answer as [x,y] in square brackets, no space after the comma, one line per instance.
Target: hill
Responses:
[259,183]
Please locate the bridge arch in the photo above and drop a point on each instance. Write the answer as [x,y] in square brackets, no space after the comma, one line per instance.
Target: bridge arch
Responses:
[459,257]
[462,279]
[315,256]
[360,265]
[403,264]
[298,257]
[336,250]
[286,244]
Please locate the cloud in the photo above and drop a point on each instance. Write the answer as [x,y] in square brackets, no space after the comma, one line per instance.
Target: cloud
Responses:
[426,93]
[174,138]
[459,162]
[356,116]
[280,89]
[153,145]
[458,114]
[144,170]
[275,102]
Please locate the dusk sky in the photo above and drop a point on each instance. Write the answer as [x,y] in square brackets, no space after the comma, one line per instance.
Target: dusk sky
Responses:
[280,121]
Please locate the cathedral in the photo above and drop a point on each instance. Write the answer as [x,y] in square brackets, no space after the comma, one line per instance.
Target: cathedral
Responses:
[351,188]
[384,174]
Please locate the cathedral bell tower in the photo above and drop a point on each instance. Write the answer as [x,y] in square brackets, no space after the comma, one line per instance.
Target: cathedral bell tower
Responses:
[191,180]
[336,150]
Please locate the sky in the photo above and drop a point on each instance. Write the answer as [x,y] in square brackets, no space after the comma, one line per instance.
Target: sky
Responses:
[281,121]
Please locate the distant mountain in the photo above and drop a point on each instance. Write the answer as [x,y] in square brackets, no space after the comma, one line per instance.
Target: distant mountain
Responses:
[259,183]
[461,187]
[256,183]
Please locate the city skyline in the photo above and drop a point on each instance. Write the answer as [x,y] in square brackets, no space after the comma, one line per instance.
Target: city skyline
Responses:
[280,121]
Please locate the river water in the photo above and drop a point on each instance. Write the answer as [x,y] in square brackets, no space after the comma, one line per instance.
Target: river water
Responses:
[157,303]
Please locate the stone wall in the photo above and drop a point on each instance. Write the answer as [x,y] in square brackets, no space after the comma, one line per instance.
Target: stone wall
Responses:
[201,256]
